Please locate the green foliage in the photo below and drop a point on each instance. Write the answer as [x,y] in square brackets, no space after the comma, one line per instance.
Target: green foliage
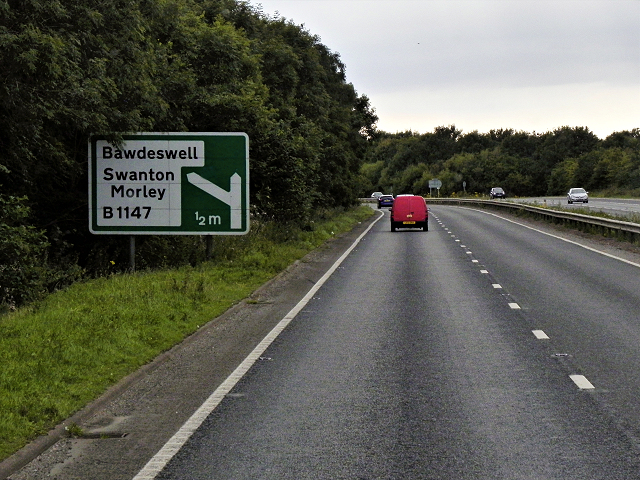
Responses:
[26,271]
[22,251]
[562,176]
[412,179]
[625,140]
[616,168]
[61,355]
[75,68]
[564,142]
[370,174]
[522,163]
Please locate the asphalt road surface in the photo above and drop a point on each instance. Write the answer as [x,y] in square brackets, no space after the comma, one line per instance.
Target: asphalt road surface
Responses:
[618,207]
[415,361]
[481,349]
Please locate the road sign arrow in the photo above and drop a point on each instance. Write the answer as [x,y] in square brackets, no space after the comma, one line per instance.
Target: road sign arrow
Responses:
[233,197]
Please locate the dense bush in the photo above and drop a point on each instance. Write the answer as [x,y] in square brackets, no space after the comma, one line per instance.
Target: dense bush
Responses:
[22,251]
[72,68]
[523,164]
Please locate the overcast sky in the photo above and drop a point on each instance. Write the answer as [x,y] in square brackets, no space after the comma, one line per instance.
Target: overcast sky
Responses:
[531,65]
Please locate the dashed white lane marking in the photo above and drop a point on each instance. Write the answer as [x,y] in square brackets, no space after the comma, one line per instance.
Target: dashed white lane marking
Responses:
[168,451]
[513,306]
[540,335]
[582,382]
[475,261]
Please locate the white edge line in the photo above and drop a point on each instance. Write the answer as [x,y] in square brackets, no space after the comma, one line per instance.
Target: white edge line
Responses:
[560,238]
[175,443]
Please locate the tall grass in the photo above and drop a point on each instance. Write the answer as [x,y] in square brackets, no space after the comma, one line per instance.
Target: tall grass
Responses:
[58,355]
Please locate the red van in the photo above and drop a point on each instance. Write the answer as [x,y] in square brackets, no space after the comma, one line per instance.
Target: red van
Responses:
[409,211]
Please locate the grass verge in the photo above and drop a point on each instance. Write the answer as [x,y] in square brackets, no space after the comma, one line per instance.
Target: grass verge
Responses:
[59,355]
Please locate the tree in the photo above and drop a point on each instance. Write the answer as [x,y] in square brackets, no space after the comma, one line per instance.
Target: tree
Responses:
[22,255]
[624,139]
[562,143]
[562,177]
[474,142]
[72,69]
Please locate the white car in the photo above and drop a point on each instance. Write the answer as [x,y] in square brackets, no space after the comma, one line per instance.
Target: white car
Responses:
[577,195]
[376,195]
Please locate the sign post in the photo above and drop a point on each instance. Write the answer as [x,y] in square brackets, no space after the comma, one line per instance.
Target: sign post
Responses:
[169,184]
[435,183]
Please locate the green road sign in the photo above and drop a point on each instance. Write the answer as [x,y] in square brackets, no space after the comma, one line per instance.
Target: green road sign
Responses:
[170,183]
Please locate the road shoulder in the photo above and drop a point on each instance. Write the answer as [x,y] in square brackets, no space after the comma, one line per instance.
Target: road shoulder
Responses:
[132,420]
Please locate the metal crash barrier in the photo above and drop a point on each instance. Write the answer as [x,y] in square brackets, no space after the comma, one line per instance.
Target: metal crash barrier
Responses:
[628,231]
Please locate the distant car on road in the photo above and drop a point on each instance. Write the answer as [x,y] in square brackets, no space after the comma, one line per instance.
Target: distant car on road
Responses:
[385,201]
[376,195]
[497,192]
[577,195]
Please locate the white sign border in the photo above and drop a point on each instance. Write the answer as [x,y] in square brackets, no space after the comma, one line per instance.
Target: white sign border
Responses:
[246,182]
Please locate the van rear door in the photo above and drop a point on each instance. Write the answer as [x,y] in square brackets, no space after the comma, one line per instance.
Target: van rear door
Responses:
[409,211]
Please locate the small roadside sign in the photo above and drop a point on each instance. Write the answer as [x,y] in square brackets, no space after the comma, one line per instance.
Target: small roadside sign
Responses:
[169,183]
[435,183]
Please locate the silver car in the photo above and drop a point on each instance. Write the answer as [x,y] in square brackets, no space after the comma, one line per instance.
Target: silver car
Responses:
[577,195]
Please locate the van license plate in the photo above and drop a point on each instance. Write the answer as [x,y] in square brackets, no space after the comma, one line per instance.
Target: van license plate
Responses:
[408,223]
